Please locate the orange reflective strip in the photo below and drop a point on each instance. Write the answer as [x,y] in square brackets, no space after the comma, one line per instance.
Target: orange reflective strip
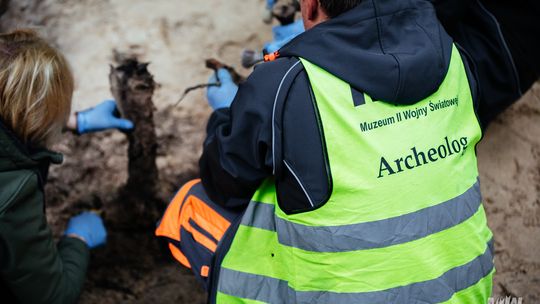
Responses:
[214,231]
[170,223]
[179,256]
[200,238]
[208,219]
[204,271]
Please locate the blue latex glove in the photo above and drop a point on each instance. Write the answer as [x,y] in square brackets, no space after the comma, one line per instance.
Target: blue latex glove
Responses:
[270,3]
[89,227]
[283,34]
[222,96]
[101,117]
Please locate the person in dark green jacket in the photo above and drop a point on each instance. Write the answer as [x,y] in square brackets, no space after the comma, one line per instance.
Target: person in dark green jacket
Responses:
[36,87]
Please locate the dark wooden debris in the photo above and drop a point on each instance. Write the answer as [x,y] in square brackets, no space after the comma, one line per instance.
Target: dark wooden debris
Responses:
[133,86]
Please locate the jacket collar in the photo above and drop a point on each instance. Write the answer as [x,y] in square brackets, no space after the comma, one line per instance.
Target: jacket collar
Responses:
[14,155]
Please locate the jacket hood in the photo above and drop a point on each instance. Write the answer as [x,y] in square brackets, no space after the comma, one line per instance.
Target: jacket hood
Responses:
[14,155]
[393,50]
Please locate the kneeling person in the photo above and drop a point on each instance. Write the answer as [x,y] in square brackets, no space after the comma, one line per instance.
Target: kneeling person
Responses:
[293,206]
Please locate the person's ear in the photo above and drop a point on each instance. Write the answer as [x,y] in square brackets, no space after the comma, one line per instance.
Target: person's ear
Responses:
[312,7]
[310,12]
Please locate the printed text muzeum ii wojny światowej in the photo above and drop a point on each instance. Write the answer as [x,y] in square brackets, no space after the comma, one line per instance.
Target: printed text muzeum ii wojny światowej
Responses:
[447,147]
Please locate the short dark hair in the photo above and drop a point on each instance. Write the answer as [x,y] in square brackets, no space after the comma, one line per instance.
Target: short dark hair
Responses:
[337,7]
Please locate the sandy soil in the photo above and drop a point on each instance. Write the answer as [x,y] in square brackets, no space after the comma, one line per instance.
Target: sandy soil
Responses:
[509,162]
[176,36]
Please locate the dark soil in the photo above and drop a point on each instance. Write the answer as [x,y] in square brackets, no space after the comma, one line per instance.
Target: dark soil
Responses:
[134,266]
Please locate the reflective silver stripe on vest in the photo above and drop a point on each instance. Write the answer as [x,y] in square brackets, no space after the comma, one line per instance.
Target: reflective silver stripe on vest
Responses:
[376,234]
[270,290]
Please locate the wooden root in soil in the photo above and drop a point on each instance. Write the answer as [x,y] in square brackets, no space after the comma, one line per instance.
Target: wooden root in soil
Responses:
[133,86]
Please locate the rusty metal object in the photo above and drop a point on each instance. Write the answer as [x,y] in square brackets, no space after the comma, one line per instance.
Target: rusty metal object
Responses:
[215,65]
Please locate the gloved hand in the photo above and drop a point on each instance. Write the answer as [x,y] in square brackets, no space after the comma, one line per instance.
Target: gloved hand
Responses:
[283,34]
[222,96]
[270,3]
[87,226]
[101,117]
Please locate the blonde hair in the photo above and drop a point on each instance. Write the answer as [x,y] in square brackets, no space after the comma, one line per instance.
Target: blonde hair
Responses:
[36,87]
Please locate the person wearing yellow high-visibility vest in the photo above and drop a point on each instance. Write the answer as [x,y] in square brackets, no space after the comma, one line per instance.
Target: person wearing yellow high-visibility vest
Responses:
[344,171]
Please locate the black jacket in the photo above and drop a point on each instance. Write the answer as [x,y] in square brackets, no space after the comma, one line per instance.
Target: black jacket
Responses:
[396,51]
[501,38]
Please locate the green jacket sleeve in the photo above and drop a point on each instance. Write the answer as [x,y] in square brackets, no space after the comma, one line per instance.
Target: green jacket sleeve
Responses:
[31,265]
